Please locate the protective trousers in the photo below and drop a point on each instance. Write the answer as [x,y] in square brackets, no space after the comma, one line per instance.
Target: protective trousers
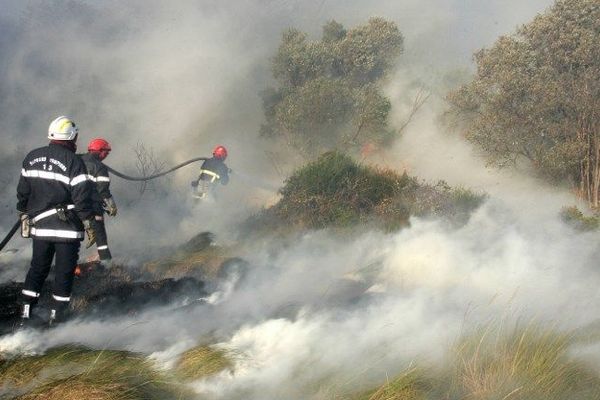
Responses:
[102,239]
[66,258]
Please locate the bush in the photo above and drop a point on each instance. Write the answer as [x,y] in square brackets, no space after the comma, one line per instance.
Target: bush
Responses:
[574,217]
[335,191]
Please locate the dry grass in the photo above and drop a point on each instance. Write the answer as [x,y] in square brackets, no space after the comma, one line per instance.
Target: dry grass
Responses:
[203,361]
[73,389]
[73,372]
[409,385]
[198,258]
[525,363]
[528,363]
[205,264]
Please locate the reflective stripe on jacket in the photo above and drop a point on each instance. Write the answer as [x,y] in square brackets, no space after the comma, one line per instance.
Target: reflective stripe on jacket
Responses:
[55,192]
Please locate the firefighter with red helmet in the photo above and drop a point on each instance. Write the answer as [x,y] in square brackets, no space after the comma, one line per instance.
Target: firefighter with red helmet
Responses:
[102,199]
[212,171]
[54,204]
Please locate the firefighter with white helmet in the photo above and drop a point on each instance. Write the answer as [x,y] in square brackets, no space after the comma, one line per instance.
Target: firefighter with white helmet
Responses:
[54,202]
[212,171]
[102,199]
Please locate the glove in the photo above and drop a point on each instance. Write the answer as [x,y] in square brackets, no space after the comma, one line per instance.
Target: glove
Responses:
[88,224]
[25,225]
[110,206]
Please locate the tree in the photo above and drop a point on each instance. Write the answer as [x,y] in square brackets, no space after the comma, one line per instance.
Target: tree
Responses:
[536,96]
[369,51]
[328,91]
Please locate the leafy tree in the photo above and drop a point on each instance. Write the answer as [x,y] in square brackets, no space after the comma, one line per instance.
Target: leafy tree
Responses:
[328,91]
[536,95]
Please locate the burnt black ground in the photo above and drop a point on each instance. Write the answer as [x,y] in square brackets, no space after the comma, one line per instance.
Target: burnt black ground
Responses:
[101,291]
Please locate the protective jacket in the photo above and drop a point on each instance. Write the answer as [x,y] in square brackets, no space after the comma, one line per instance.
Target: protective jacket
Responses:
[54,191]
[213,170]
[98,174]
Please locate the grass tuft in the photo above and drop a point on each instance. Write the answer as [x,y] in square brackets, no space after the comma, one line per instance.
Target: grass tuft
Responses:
[530,362]
[203,361]
[496,363]
[76,372]
[409,385]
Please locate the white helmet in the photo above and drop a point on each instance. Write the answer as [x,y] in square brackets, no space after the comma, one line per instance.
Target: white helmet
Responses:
[62,128]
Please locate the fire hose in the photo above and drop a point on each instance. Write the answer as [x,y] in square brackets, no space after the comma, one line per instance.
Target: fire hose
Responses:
[14,229]
[147,178]
[10,234]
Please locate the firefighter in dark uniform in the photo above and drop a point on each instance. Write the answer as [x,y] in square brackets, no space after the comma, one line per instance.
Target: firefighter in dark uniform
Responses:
[54,203]
[212,171]
[102,199]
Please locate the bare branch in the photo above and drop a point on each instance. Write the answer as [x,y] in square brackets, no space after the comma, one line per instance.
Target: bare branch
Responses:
[420,99]
[146,164]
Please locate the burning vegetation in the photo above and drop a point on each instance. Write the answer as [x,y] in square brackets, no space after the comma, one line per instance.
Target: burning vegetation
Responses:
[534,97]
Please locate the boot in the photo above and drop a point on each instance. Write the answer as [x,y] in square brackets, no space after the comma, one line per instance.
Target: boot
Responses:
[104,254]
[26,318]
[58,312]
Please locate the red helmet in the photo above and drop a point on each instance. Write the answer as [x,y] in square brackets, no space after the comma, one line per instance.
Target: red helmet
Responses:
[100,146]
[220,152]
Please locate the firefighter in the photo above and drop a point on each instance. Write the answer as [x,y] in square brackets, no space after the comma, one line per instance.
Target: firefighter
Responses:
[102,199]
[213,170]
[54,204]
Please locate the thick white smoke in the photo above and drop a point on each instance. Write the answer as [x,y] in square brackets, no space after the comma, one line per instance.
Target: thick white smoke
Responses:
[347,312]
[323,309]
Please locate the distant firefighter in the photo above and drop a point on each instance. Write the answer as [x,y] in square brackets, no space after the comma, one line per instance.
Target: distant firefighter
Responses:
[54,204]
[102,199]
[212,171]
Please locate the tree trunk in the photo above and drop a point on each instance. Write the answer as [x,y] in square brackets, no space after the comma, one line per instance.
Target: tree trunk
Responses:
[589,174]
[596,174]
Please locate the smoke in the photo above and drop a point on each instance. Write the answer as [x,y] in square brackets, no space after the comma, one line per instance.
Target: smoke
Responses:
[344,311]
[347,311]
[183,78]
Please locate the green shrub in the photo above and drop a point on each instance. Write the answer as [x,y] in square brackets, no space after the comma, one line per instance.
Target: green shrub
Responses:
[574,217]
[335,191]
